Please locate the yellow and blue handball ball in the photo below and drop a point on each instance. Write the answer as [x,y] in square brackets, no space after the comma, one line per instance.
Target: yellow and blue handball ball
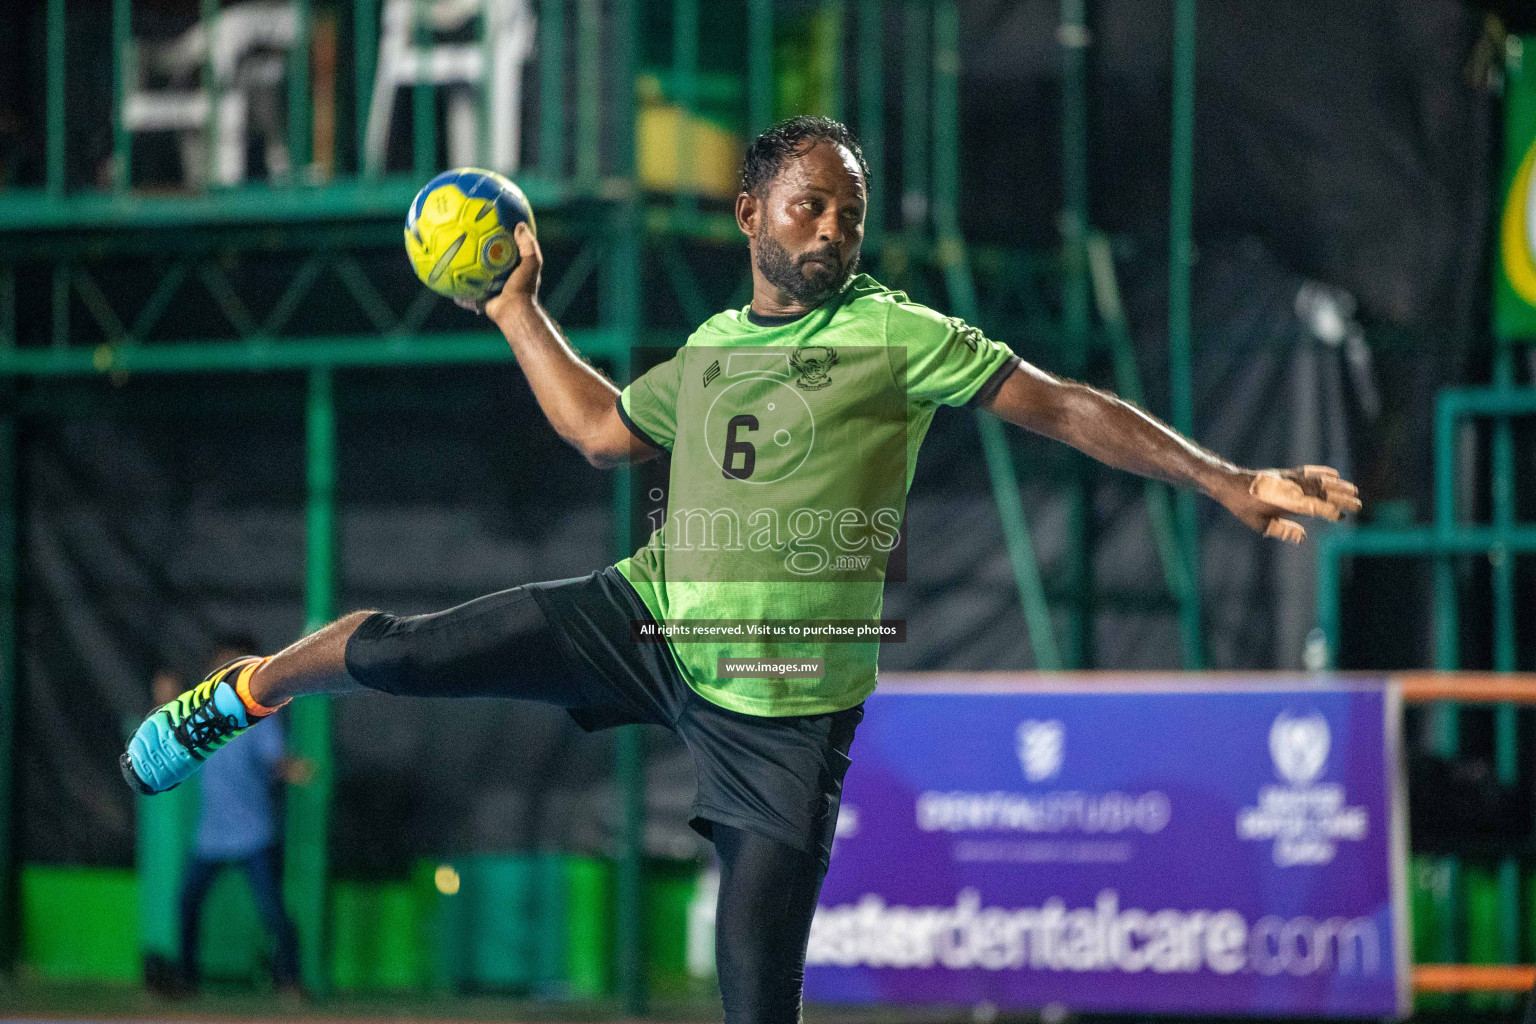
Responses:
[458,232]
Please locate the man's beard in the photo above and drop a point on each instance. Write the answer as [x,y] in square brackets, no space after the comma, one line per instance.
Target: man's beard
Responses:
[788,273]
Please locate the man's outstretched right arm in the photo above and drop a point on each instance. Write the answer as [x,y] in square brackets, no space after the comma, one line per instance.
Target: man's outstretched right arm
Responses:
[1119,434]
[576,398]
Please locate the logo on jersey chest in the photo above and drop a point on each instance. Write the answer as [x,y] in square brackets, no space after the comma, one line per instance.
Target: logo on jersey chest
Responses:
[812,366]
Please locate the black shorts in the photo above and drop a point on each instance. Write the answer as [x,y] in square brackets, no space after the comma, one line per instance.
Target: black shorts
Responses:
[567,642]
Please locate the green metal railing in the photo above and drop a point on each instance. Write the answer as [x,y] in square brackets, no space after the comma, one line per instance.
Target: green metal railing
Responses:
[22,210]
[1180,340]
[945,32]
[1443,543]
[1446,539]
[310,720]
[1072,34]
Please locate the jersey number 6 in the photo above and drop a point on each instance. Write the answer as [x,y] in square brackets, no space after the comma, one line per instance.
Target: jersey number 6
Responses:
[734,446]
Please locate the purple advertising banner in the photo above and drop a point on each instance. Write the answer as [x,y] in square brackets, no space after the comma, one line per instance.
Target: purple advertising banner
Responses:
[1163,845]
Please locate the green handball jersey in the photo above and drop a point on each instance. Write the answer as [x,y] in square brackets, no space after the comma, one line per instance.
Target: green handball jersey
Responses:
[792,448]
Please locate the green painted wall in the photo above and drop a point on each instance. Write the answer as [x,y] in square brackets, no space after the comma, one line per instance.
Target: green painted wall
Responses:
[80,924]
[518,924]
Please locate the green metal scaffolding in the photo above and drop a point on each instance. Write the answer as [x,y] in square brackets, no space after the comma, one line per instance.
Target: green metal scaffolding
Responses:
[1443,543]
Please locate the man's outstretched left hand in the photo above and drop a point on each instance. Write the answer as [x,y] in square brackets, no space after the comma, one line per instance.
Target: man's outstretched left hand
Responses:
[1262,498]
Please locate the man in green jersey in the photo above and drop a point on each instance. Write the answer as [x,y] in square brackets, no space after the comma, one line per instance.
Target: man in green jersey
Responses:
[792,427]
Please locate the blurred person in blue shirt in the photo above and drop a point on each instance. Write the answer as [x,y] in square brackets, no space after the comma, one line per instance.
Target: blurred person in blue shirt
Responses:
[239,826]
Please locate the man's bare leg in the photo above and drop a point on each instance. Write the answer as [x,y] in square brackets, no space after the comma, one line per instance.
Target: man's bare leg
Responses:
[315,664]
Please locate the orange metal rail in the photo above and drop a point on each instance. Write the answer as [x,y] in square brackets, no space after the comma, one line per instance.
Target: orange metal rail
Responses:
[1473,977]
[1477,688]
[1417,687]
[1469,687]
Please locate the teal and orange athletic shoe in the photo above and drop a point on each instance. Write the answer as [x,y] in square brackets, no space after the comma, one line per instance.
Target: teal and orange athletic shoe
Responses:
[178,737]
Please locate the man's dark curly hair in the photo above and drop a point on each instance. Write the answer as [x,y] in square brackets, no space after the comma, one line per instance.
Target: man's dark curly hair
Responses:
[789,139]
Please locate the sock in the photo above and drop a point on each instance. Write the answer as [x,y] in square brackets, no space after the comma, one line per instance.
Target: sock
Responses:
[243,690]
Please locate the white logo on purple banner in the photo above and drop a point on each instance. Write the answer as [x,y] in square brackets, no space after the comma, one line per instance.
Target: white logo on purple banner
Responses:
[1041,750]
[1305,819]
[1299,747]
[1042,746]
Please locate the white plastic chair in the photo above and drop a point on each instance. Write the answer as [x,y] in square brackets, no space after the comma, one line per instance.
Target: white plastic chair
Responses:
[508,32]
[251,46]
